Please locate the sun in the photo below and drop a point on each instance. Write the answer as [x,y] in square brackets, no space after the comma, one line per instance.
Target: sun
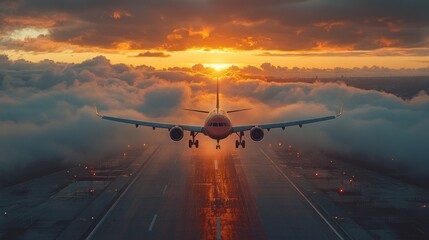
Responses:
[218,66]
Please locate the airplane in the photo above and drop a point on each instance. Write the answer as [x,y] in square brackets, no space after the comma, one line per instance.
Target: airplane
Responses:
[218,125]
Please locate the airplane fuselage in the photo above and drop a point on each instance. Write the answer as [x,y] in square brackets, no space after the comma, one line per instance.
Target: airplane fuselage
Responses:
[218,124]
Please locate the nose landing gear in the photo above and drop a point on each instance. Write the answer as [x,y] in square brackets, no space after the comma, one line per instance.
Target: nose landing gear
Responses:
[193,142]
[218,145]
[240,142]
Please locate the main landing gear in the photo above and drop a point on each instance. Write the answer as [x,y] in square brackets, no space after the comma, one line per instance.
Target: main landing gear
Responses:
[193,142]
[240,142]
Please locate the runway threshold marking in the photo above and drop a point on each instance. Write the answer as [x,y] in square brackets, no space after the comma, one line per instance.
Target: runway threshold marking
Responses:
[152,223]
[165,189]
[218,228]
[303,195]
[146,163]
[215,164]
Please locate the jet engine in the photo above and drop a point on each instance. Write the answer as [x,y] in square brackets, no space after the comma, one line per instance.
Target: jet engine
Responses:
[176,133]
[256,134]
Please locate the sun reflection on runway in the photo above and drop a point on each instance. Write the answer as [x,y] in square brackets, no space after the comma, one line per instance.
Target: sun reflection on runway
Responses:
[218,202]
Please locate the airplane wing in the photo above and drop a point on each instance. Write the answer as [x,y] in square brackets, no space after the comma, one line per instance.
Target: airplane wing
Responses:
[154,125]
[283,125]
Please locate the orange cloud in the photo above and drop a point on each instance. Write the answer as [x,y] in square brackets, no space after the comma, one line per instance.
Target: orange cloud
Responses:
[120,14]
[247,23]
[327,46]
[394,26]
[203,32]
[18,21]
[256,25]
[39,44]
[329,25]
[181,33]
[385,42]
[153,54]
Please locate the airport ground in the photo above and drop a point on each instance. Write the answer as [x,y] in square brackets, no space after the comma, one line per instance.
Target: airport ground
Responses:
[267,191]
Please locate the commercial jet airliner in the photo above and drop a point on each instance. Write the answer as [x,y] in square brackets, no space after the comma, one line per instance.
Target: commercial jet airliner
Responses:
[218,126]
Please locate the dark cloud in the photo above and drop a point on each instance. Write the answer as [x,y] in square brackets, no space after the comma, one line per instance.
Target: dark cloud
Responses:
[46,112]
[378,53]
[161,101]
[281,72]
[153,54]
[270,25]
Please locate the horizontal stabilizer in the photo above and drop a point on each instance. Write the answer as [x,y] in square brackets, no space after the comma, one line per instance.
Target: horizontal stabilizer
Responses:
[196,110]
[238,110]
[96,111]
[340,111]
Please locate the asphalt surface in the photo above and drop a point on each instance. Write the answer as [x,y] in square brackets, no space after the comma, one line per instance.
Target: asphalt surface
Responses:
[227,194]
[266,191]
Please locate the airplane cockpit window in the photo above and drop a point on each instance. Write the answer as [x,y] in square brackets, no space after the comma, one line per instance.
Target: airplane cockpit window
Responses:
[220,124]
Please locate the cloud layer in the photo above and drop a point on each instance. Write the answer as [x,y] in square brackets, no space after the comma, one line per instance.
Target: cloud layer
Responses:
[238,24]
[46,112]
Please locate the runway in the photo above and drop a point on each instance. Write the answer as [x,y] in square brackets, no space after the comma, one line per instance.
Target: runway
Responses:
[266,191]
[228,194]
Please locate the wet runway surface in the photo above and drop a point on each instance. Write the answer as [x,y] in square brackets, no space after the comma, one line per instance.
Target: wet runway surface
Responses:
[195,194]
[184,196]
[216,204]
[171,192]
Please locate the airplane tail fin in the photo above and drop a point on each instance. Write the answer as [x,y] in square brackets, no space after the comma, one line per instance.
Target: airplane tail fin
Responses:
[217,94]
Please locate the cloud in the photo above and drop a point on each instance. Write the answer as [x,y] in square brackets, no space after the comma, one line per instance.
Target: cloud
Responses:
[269,25]
[46,114]
[153,54]
[161,100]
[376,127]
[269,72]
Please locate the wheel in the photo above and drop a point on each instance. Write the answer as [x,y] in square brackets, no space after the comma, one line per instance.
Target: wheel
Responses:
[190,143]
[196,144]
[243,144]
[236,143]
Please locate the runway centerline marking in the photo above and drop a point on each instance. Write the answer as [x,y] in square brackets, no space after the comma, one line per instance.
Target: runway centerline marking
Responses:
[215,164]
[152,223]
[303,195]
[165,189]
[94,230]
[218,228]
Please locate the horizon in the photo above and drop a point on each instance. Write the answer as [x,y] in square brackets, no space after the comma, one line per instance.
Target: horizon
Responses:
[266,68]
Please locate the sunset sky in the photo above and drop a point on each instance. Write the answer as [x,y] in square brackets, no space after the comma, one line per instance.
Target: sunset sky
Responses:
[219,33]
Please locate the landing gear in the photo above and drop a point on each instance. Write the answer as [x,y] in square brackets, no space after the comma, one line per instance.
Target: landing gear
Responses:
[218,145]
[240,142]
[193,142]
